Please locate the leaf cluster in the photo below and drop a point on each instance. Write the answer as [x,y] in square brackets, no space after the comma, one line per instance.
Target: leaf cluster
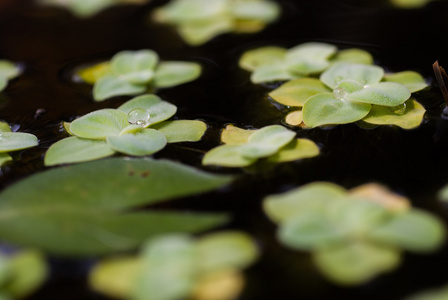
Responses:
[13,141]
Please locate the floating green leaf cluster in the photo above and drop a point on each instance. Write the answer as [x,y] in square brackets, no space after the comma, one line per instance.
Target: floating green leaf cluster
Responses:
[89,209]
[198,21]
[271,63]
[21,273]
[348,92]
[274,143]
[135,72]
[353,235]
[137,128]
[88,8]
[177,267]
[13,141]
[8,71]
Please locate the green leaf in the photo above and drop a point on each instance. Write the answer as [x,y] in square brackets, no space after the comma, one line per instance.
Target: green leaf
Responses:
[188,11]
[74,150]
[253,59]
[414,230]
[294,118]
[296,149]
[8,70]
[12,141]
[181,130]
[412,80]
[145,142]
[324,109]
[135,67]
[296,92]
[172,73]
[309,58]
[353,56]
[158,109]
[92,73]
[408,115]
[83,209]
[265,11]
[225,250]
[99,124]
[233,135]
[383,93]
[364,74]
[197,33]
[227,156]
[272,72]
[82,9]
[4,157]
[310,197]
[169,269]
[356,263]
[4,127]
[111,86]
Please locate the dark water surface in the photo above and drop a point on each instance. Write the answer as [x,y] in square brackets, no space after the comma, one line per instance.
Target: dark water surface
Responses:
[51,43]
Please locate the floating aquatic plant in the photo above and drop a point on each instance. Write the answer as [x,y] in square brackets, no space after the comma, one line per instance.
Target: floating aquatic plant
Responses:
[90,208]
[272,63]
[13,141]
[135,72]
[85,9]
[178,266]
[137,128]
[353,235]
[347,93]
[198,21]
[8,71]
[273,143]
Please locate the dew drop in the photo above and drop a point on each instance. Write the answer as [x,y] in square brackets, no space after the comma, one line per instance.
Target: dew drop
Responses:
[339,93]
[399,109]
[138,116]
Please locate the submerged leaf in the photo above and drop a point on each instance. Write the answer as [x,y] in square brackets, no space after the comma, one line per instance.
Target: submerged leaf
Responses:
[172,73]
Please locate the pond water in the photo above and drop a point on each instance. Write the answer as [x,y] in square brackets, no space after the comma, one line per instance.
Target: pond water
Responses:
[51,44]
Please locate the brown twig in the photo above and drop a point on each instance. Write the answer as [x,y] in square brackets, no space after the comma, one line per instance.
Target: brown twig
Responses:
[442,79]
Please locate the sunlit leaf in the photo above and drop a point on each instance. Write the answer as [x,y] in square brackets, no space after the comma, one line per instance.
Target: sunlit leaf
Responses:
[198,33]
[227,156]
[11,141]
[248,26]
[8,70]
[74,149]
[172,73]
[92,73]
[233,135]
[145,142]
[364,74]
[186,11]
[294,118]
[296,92]
[63,210]
[296,149]
[324,109]
[412,80]
[181,130]
[266,141]
[135,67]
[408,115]
[222,285]
[272,72]
[269,55]
[265,11]
[4,157]
[309,58]
[356,262]
[383,93]
[99,124]
[4,127]
[111,86]
[353,56]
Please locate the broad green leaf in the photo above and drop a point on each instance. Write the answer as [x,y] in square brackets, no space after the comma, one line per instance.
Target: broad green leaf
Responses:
[83,209]
[346,87]
[356,262]
[111,86]
[27,272]
[272,72]
[8,70]
[3,83]
[309,58]
[412,80]
[196,34]
[310,197]
[12,141]
[233,135]
[227,156]
[294,118]
[381,195]
[99,124]
[269,55]
[74,149]
[181,130]
[296,149]
[145,142]
[266,11]
[92,73]
[169,269]
[172,73]
[414,230]
[134,66]
[266,141]
[383,93]
[4,157]
[433,294]
[4,127]
[187,11]
[353,56]
[364,74]
[115,277]
[408,115]
[296,92]
[225,250]
[158,109]
[324,109]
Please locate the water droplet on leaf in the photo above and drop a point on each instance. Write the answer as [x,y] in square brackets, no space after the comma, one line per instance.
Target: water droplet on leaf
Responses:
[339,93]
[399,109]
[138,116]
